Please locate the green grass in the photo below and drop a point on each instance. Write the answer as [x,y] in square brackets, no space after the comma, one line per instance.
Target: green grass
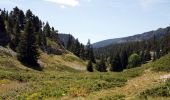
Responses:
[161,90]
[60,78]
[114,97]
[163,64]
[58,84]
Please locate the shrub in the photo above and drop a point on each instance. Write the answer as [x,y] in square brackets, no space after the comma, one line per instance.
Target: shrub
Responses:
[159,91]
[90,66]
[134,60]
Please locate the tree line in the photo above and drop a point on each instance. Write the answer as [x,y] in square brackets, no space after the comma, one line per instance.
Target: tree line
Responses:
[84,52]
[118,57]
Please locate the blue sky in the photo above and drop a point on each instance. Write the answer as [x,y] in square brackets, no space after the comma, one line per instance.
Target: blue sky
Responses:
[98,19]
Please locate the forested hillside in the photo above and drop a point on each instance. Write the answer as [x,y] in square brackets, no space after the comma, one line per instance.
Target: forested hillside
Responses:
[121,55]
[159,33]
[27,35]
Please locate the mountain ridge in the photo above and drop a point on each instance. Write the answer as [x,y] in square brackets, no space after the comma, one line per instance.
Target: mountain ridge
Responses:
[138,37]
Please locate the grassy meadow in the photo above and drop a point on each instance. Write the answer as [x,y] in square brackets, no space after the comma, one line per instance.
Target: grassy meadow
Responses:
[64,78]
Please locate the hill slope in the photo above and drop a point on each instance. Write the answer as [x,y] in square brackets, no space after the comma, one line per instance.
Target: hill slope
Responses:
[63,78]
[139,37]
[65,62]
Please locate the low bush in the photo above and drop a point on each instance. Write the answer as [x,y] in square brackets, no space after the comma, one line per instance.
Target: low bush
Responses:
[163,90]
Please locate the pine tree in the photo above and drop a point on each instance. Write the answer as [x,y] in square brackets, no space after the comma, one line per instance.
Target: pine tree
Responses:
[101,66]
[123,59]
[47,30]
[89,52]
[90,66]
[82,51]
[77,48]
[16,38]
[142,56]
[28,49]
[29,15]
[4,37]
[116,64]
[147,55]
[21,19]
[70,43]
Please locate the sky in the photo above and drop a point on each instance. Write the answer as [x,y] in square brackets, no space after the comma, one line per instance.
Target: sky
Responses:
[98,19]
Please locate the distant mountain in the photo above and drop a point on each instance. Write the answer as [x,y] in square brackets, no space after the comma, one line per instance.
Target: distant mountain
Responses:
[139,37]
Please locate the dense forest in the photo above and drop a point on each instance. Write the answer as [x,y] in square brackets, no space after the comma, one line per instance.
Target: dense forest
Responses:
[131,54]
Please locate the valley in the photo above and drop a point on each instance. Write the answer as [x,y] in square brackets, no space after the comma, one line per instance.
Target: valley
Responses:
[38,62]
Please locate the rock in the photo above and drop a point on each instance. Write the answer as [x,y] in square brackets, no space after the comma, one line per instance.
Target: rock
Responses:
[7,52]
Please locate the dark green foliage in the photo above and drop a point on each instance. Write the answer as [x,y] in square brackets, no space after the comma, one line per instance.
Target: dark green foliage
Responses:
[101,66]
[123,59]
[16,37]
[77,48]
[147,56]
[28,48]
[134,61]
[165,42]
[29,15]
[82,52]
[89,52]
[116,64]
[158,45]
[70,43]
[74,46]
[24,33]
[47,30]
[90,66]
[4,37]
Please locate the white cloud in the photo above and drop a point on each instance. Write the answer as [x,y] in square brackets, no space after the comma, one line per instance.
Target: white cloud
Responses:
[64,3]
[62,6]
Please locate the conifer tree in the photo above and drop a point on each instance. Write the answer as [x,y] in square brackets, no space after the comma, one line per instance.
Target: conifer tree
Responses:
[28,49]
[123,59]
[16,38]
[82,51]
[4,37]
[147,55]
[77,48]
[29,15]
[101,66]
[70,43]
[47,30]
[142,56]
[90,66]
[89,52]
[116,64]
